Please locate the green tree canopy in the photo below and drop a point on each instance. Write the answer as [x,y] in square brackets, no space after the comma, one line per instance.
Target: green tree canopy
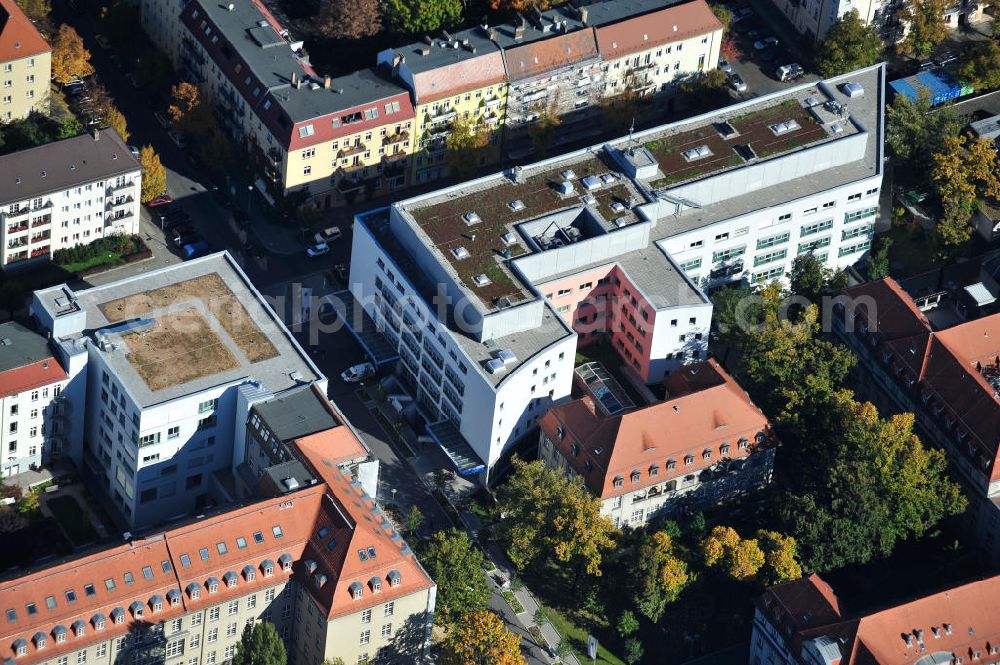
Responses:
[482,639]
[927,26]
[915,133]
[810,278]
[660,575]
[260,645]
[979,65]
[422,16]
[850,44]
[548,516]
[466,143]
[455,564]
[38,10]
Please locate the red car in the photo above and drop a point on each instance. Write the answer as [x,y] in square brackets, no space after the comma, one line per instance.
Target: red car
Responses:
[161,200]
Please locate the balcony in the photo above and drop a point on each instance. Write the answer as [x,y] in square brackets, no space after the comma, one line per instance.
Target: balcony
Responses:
[395,138]
[18,256]
[443,116]
[41,221]
[350,185]
[40,251]
[17,228]
[17,242]
[112,189]
[17,213]
[348,151]
[493,102]
[394,164]
[39,237]
[119,204]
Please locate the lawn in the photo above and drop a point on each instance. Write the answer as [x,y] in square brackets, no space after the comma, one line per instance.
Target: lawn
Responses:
[111,258]
[577,639]
[72,519]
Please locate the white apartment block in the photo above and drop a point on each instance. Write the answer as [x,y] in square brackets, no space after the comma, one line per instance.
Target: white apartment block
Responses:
[67,193]
[814,18]
[33,411]
[168,364]
[493,283]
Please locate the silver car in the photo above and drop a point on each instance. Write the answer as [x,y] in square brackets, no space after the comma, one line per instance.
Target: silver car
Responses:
[737,83]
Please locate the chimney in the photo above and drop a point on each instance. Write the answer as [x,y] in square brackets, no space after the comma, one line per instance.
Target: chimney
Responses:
[230,6]
[583,15]
[298,84]
[327,81]
[295,79]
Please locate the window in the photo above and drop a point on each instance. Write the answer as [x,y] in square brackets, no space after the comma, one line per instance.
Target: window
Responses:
[386,630]
[389,608]
[207,406]
[81,657]
[693,264]
[366,616]
[726,254]
[185,561]
[173,432]
[221,547]
[102,650]
[771,241]
[269,596]
[231,630]
[213,635]
[213,613]
[258,537]
[230,651]
[860,214]
[251,601]
[241,542]
[276,530]
[366,636]
[203,553]
[818,227]
[50,602]
[195,620]
[147,572]
[234,607]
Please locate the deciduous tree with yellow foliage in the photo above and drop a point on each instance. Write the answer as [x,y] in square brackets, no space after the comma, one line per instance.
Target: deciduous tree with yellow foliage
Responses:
[660,575]
[482,639]
[154,176]
[70,58]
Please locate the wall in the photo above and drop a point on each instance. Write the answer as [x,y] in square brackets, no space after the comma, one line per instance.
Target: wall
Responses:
[29,80]
[407,625]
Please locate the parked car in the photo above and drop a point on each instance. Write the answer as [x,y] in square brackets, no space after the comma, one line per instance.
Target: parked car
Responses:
[756,33]
[789,72]
[161,200]
[102,41]
[767,42]
[195,249]
[742,14]
[328,235]
[724,66]
[162,119]
[737,83]
[319,249]
[355,373]
[179,139]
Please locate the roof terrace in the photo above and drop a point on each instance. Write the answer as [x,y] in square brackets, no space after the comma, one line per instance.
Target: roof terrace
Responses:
[476,229]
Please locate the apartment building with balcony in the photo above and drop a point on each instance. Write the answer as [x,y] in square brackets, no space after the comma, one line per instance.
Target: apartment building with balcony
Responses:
[66,193]
[649,54]
[337,139]
[33,410]
[803,623]
[25,65]
[165,367]
[814,18]
[947,373]
[455,77]
[321,563]
[610,244]
[704,444]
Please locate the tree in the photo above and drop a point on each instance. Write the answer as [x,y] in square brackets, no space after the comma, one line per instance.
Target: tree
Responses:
[69,127]
[979,65]
[349,19]
[965,170]
[260,645]
[455,564]
[724,548]
[780,558]
[659,574]
[482,639]
[185,98]
[547,514]
[335,661]
[627,623]
[850,44]
[69,56]
[466,144]
[28,503]
[422,16]
[543,131]
[414,520]
[810,278]
[927,26]
[154,176]
[724,15]
[37,10]
[633,651]
[711,81]
[953,229]
[915,131]
[719,543]
[511,6]
[116,120]
[878,260]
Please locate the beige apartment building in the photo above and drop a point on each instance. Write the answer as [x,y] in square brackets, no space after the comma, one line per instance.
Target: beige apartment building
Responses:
[25,65]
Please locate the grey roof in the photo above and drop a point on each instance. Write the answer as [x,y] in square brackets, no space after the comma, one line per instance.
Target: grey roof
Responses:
[505,33]
[290,368]
[97,618]
[285,558]
[603,12]
[212,580]
[59,629]
[26,346]
[39,637]
[439,55]
[193,587]
[267,563]
[135,606]
[117,612]
[156,598]
[60,165]
[174,593]
[248,570]
[296,413]
[365,86]
[289,475]
[79,625]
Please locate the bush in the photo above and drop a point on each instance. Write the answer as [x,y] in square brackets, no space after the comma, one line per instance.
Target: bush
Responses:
[117,245]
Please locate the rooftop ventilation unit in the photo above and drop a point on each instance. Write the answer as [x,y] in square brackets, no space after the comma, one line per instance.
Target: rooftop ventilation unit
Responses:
[726,131]
[471,218]
[694,154]
[565,187]
[495,366]
[618,206]
[460,253]
[853,90]
[591,182]
[607,178]
[568,174]
[784,127]
[836,128]
[589,199]
[517,205]
[508,238]
[506,356]
[811,102]
[482,280]
[620,222]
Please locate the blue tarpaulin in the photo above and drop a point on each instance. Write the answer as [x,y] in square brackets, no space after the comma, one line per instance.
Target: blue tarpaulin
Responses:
[938,83]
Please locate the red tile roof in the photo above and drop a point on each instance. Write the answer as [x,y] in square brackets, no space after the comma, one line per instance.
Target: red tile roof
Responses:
[945,366]
[31,376]
[298,527]
[470,74]
[708,410]
[801,604]
[18,36]
[961,622]
[544,55]
[670,24]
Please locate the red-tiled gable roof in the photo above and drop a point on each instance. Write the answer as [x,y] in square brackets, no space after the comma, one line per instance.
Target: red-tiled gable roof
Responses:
[801,604]
[18,36]
[30,376]
[471,74]
[680,430]
[331,447]
[670,24]
[887,309]
[183,563]
[547,54]
[961,622]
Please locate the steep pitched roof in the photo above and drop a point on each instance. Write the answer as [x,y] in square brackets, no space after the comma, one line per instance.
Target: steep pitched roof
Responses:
[544,55]
[26,362]
[711,411]
[887,309]
[18,36]
[466,74]
[670,24]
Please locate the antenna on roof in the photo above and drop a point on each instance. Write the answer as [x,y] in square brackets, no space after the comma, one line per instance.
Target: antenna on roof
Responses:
[631,131]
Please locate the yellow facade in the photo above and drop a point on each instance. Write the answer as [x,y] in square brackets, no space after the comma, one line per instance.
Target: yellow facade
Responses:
[485,108]
[24,86]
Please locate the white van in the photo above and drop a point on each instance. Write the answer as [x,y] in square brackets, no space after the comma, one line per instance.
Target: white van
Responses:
[789,72]
[328,235]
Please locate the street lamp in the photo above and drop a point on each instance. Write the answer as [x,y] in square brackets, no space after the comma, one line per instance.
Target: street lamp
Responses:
[393,490]
[249,189]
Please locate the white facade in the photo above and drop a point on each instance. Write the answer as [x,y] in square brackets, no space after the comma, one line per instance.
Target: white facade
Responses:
[31,428]
[161,19]
[654,70]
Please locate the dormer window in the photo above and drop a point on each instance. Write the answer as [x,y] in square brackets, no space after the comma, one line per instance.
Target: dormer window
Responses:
[635,476]
[20,646]
[706,454]
[574,449]
[689,459]
[724,449]
[619,481]
[395,579]
[375,584]
[560,432]
[654,470]
[357,591]
[671,464]
[743,444]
